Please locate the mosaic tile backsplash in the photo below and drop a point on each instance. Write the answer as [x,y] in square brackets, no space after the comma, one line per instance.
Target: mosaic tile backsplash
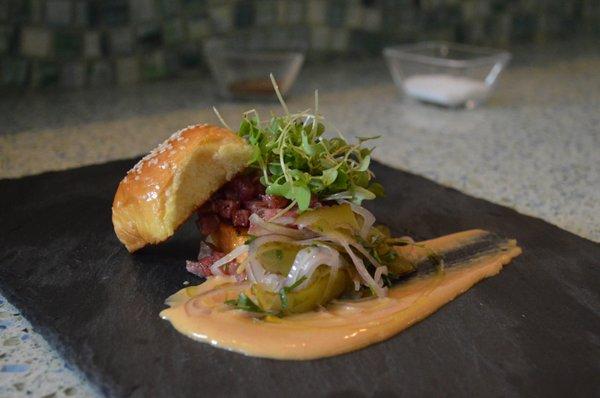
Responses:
[87,43]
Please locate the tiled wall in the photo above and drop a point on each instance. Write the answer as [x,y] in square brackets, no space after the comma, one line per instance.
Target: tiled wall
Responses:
[78,43]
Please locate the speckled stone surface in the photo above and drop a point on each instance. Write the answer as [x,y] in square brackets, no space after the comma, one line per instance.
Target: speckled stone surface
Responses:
[535,146]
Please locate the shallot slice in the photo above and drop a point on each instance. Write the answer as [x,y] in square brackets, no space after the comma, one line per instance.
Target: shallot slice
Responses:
[232,255]
[265,228]
[368,218]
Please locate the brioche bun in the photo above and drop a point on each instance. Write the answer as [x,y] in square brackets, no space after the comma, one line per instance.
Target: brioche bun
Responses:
[164,188]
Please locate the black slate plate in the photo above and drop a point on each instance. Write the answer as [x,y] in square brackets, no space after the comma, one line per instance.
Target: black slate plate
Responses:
[531,331]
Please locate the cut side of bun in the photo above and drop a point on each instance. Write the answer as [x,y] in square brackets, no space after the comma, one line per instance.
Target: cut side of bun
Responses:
[164,188]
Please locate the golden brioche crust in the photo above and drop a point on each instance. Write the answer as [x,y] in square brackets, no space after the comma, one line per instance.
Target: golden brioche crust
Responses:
[164,188]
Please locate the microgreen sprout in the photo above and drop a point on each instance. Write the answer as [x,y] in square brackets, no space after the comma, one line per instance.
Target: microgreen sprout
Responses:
[297,162]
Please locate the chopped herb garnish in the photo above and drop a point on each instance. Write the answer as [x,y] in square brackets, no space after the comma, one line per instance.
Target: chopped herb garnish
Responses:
[244,303]
[283,292]
[387,280]
[279,254]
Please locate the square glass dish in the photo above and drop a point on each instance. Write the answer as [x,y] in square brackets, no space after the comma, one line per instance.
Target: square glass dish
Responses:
[446,74]
[241,66]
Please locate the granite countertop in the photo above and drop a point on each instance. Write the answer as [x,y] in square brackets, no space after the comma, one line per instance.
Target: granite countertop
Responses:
[535,146]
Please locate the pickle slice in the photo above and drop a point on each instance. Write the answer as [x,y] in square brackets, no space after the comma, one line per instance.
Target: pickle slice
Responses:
[324,288]
[329,218]
[278,257]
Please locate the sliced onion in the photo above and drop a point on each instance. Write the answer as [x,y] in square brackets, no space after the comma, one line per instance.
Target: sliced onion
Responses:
[273,282]
[272,228]
[339,196]
[358,263]
[232,255]
[284,220]
[251,269]
[257,274]
[365,253]
[378,272]
[261,240]
[368,219]
[362,271]
[315,240]
[308,260]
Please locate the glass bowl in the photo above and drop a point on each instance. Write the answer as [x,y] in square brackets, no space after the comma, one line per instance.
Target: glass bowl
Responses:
[241,66]
[446,74]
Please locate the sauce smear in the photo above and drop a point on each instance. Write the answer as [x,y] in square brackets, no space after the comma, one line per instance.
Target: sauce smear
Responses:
[199,312]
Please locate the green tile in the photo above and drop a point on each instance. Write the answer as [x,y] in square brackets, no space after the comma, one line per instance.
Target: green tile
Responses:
[67,44]
[524,26]
[109,13]
[266,13]
[317,10]
[143,10]
[16,12]
[198,28]
[58,12]
[14,71]
[194,7]
[81,13]
[391,17]
[91,44]
[172,62]
[372,19]
[127,70]
[121,41]
[149,36]
[295,11]
[36,10]
[221,18]
[36,42]
[153,66]
[190,57]
[173,32]
[340,40]
[364,41]
[320,38]
[72,75]
[169,8]
[354,14]
[5,39]
[44,74]
[244,14]
[101,73]
[336,13]
[4,11]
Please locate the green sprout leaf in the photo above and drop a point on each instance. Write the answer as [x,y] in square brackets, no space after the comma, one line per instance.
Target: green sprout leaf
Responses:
[377,189]
[301,194]
[297,161]
[244,303]
[364,163]
[329,176]
[359,194]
